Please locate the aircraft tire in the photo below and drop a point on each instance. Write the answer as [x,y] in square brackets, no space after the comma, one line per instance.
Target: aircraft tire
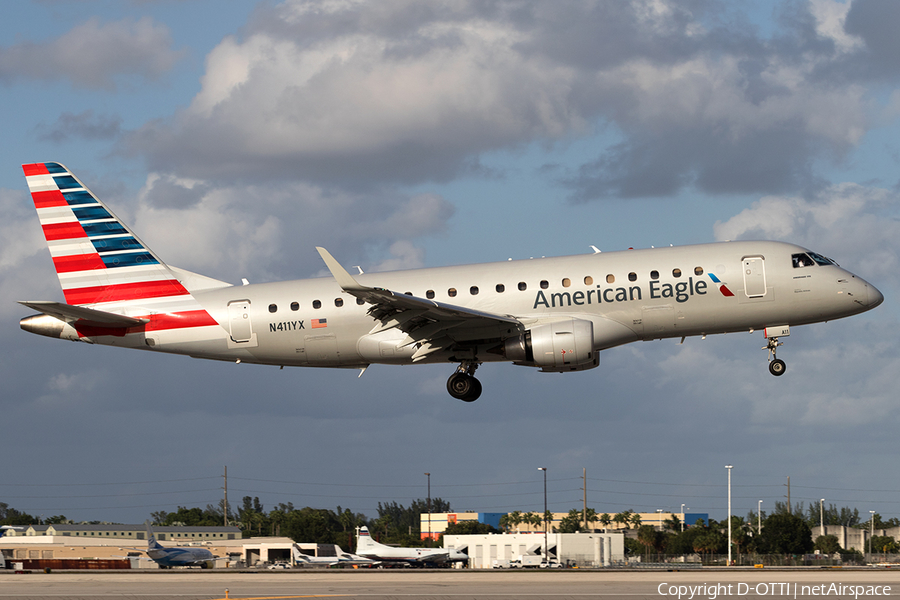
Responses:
[464,387]
[777,367]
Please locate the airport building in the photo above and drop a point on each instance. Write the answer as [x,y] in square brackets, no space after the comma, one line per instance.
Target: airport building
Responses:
[437,523]
[132,532]
[569,549]
[433,525]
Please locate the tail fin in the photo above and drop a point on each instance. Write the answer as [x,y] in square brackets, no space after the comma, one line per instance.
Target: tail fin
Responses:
[152,544]
[298,556]
[100,262]
[364,541]
[98,259]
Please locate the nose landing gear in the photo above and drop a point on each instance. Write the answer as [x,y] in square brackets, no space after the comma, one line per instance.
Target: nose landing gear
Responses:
[462,385]
[776,365]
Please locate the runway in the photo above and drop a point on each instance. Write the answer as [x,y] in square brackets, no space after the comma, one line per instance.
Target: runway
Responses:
[450,585]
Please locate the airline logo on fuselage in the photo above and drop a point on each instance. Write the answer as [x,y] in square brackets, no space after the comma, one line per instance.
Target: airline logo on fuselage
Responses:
[681,292]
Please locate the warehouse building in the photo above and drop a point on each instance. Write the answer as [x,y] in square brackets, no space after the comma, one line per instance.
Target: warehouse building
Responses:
[570,549]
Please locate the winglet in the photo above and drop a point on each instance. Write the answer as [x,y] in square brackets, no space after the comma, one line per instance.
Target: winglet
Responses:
[344,279]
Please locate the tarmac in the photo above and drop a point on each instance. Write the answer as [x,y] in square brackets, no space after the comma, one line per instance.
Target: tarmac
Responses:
[450,584]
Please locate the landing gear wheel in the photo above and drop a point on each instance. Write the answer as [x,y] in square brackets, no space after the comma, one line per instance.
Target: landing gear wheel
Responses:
[463,386]
[777,367]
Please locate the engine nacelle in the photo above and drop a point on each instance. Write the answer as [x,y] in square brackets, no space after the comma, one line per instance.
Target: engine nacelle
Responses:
[555,347]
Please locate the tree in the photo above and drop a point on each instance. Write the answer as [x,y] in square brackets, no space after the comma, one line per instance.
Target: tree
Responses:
[884,544]
[511,520]
[785,533]
[624,518]
[739,535]
[649,538]
[469,527]
[673,523]
[571,522]
[827,544]
[605,520]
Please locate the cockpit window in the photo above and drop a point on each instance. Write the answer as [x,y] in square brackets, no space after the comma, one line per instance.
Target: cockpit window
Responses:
[810,259]
[821,259]
[801,260]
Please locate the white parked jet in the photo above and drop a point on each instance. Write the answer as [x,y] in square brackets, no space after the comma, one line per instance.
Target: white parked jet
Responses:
[555,314]
[366,546]
[343,559]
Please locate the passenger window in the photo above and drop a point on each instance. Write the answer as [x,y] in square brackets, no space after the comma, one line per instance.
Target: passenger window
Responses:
[452,292]
[610,278]
[566,282]
[676,272]
[632,277]
[500,288]
[273,308]
[317,304]
[588,280]
[360,301]
[408,293]
[429,294]
[522,286]
[698,271]
[654,274]
[545,284]
[339,302]
[295,306]
[473,290]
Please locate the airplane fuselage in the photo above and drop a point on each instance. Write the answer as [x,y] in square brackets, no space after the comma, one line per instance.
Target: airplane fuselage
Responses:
[627,296]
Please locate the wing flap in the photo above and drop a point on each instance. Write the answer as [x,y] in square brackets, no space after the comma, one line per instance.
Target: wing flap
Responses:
[83,315]
[435,325]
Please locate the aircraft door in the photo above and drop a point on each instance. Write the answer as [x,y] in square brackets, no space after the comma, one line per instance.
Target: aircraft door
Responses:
[754,276]
[239,320]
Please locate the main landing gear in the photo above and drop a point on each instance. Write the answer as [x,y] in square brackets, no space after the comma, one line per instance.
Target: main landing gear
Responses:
[776,365]
[462,385]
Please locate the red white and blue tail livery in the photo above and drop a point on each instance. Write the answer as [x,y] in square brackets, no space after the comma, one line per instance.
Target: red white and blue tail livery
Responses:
[555,314]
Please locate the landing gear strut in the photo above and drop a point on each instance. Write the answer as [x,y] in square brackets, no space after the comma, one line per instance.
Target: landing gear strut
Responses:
[462,385]
[776,365]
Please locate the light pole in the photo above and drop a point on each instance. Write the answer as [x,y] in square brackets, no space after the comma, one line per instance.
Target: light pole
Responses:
[872,531]
[759,518]
[429,505]
[822,516]
[729,467]
[544,556]
[682,518]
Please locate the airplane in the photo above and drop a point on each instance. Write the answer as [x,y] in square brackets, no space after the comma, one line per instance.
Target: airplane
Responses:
[344,559]
[369,548]
[554,314]
[175,556]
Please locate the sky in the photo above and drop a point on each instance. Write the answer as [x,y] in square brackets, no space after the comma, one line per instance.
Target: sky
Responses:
[236,137]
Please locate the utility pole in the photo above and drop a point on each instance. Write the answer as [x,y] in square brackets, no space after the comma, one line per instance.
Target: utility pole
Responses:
[225,510]
[790,510]
[584,506]
[429,505]
[544,555]
[729,467]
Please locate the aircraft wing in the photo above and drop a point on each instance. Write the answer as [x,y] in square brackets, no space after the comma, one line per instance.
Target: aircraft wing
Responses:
[433,325]
[434,558]
[84,315]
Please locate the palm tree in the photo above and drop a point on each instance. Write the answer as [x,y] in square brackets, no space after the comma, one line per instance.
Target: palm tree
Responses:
[605,520]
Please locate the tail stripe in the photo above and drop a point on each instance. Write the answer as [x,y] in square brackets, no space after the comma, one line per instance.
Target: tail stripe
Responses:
[99,261]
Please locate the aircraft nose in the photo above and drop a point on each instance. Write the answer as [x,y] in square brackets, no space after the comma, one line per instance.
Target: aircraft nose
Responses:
[875,297]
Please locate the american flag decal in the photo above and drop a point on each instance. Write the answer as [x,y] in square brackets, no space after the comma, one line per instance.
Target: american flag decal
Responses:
[319,323]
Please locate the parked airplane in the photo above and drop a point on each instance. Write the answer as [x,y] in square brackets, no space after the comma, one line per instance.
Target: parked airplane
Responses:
[175,556]
[369,548]
[555,314]
[344,559]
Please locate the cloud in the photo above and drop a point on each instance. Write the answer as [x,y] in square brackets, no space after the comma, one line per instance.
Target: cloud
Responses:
[84,125]
[93,54]
[358,94]
[855,224]
[269,232]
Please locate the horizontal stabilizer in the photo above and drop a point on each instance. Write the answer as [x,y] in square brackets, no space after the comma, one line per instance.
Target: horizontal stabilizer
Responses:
[84,316]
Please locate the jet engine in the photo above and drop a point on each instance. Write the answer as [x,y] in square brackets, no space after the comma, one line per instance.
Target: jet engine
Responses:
[555,347]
